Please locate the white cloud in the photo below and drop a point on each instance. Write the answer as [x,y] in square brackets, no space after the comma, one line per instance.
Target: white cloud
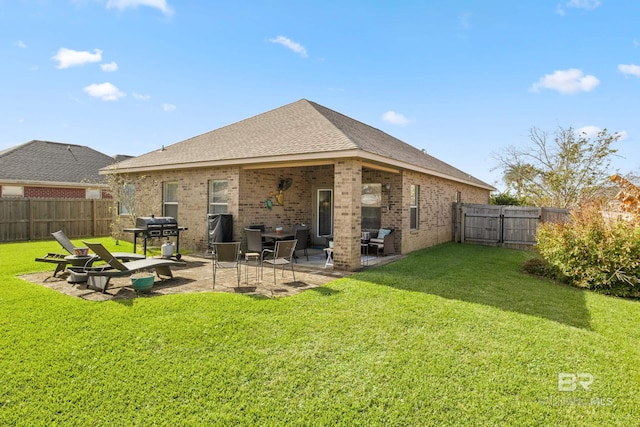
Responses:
[20,44]
[168,107]
[125,4]
[110,67]
[583,4]
[139,96]
[566,81]
[588,131]
[70,58]
[592,132]
[105,91]
[622,135]
[629,69]
[577,4]
[395,118]
[290,44]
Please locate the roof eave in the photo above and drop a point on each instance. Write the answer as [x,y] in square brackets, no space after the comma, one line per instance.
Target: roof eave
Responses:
[305,159]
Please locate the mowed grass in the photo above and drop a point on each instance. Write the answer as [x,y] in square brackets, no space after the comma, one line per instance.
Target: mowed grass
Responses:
[451,335]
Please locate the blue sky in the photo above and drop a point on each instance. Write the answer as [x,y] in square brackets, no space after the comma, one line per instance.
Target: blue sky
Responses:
[460,79]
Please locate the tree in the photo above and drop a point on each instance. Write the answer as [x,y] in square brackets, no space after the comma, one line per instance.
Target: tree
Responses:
[130,193]
[560,169]
[628,196]
[505,199]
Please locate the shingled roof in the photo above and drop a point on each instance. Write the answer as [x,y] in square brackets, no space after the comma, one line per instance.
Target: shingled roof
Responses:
[300,131]
[52,162]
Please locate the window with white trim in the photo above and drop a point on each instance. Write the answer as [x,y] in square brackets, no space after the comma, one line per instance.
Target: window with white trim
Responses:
[218,192]
[170,199]
[127,201]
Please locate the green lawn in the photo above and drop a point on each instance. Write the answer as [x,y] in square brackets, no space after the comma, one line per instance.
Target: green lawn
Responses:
[451,335]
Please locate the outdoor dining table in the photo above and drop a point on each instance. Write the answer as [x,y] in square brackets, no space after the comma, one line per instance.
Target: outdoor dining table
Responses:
[283,235]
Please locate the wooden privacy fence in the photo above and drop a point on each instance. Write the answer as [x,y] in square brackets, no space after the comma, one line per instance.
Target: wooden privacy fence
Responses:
[510,226]
[36,219]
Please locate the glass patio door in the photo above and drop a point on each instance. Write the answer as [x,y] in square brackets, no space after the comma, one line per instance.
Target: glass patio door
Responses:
[324,212]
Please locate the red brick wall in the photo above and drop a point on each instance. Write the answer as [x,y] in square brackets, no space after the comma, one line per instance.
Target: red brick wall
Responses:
[54,192]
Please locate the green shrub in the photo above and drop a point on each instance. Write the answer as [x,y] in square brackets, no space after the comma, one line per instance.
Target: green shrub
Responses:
[506,198]
[594,253]
[540,267]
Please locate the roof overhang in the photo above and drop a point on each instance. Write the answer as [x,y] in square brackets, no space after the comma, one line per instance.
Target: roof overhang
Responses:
[369,160]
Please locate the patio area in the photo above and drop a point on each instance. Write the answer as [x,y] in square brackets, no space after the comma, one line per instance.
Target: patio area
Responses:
[197,276]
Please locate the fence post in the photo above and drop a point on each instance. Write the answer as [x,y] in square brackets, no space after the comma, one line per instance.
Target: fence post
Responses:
[463,216]
[30,218]
[94,219]
[501,225]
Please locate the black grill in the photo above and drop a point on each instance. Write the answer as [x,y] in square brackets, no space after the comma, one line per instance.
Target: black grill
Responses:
[151,227]
[157,226]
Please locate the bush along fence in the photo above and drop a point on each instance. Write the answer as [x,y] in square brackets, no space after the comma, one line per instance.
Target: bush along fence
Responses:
[508,226]
[36,219]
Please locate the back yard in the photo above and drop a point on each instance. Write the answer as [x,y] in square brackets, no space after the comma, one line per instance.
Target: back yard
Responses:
[451,335]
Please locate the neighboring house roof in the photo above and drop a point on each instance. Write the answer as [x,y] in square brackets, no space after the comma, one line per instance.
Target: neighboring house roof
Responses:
[38,162]
[300,131]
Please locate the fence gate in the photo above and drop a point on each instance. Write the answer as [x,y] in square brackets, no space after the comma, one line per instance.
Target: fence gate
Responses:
[512,226]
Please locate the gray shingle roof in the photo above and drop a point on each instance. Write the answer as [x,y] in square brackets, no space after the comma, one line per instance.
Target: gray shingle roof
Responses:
[44,161]
[302,129]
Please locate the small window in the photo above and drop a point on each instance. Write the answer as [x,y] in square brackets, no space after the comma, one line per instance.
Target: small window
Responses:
[170,199]
[12,191]
[92,193]
[413,207]
[127,199]
[371,200]
[218,196]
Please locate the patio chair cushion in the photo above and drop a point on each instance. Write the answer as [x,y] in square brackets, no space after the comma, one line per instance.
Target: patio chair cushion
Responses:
[383,232]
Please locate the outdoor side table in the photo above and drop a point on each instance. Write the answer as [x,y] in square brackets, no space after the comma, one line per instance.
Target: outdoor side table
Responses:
[78,263]
[364,249]
[329,261]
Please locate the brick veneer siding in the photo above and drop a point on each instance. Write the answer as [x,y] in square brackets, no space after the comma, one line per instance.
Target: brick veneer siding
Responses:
[391,209]
[193,202]
[347,214]
[436,199]
[249,188]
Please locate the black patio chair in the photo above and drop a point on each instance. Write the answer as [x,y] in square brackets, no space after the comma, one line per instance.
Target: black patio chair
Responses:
[280,256]
[302,236]
[226,255]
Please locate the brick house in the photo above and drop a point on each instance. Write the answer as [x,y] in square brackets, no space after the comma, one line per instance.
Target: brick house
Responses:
[43,169]
[343,176]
